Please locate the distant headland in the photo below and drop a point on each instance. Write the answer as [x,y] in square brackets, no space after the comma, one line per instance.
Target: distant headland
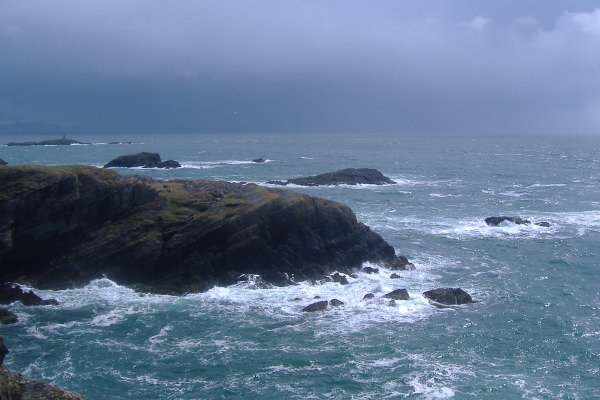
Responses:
[64,141]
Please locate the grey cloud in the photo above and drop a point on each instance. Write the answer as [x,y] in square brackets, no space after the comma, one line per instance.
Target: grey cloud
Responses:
[259,65]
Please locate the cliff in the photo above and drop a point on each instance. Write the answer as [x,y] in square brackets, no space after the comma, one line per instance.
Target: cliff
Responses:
[63,226]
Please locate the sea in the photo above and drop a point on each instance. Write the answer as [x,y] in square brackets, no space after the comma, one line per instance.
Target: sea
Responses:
[532,333]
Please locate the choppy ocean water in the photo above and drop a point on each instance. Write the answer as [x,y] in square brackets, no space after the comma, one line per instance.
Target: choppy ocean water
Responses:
[534,332]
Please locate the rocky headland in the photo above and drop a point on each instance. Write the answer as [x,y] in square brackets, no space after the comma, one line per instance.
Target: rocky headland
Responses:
[347,176]
[64,226]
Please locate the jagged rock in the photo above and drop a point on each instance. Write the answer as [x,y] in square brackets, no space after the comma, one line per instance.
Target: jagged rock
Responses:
[258,160]
[2,162]
[336,302]
[395,276]
[71,224]
[368,296]
[169,164]
[495,221]
[7,317]
[9,293]
[32,299]
[449,296]
[348,176]
[398,294]
[18,386]
[341,279]
[3,350]
[370,270]
[318,306]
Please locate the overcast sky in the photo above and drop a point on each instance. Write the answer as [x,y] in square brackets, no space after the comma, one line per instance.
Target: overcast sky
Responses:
[407,66]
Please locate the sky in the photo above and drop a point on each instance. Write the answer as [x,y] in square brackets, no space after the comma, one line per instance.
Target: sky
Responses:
[384,66]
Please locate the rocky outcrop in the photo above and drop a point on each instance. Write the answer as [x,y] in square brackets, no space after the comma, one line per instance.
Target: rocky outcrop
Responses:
[348,176]
[18,386]
[2,162]
[449,296]
[9,293]
[317,306]
[398,294]
[7,317]
[64,226]
[52,142]
[144,160]
[496,221]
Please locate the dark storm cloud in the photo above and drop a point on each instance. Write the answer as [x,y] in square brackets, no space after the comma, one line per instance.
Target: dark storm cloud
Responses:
[295,66]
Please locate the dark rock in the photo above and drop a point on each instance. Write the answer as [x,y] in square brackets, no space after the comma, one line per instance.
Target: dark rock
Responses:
[398,294]
[348,176]
[2,162]
[495,221]
[318,306]
[9,293]
[7,317]
[52,142]
[336,302]
[18,386]
[543,223]
[32,299]
[341,279]
[3,350]
[395,276]
[370,270]
[144,159]
[64,226]
[368,296]
[258,160]
[406,265]
[392,303]
[449,296]
[169,164]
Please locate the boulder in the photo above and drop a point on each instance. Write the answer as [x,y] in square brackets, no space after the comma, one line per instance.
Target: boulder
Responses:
[543,223]
[398,294]
[144,160]
[449,296]
[370,270]
[395,276]
[368,296]
[348,176]
[31,299]
[7,317]
[336,302]
[495,221]
[341,279]
[318,306]
[69,225]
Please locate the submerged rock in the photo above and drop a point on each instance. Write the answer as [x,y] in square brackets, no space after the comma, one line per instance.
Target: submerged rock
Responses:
[495,221]
[449,296]
[69,225]
[318,306]
[258,160]
[398,294]
[336,303]
[348,176]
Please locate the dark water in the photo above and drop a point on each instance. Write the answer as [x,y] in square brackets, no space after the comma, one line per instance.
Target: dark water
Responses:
[533,333]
